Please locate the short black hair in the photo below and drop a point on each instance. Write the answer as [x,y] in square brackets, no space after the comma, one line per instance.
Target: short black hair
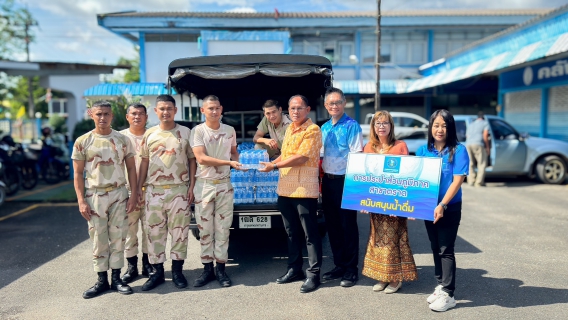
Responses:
[270,103]
[211,97]
[334,90]
[481,115]
[166,98]
[304,99]
[101,104]
[136,106]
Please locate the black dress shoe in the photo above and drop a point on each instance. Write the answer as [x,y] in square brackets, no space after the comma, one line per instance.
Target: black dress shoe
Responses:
[336,273]
[291,276]
[349,279]
[311,284]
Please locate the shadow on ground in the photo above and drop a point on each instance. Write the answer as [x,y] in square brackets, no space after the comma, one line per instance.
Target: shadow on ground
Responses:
[31,239]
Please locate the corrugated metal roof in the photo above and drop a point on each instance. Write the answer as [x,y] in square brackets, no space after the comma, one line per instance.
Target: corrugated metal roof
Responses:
[369,86]
[154,89]
[332,14]
[118,89]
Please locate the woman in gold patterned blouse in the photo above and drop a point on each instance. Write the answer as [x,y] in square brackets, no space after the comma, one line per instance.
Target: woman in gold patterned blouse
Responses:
[388,258]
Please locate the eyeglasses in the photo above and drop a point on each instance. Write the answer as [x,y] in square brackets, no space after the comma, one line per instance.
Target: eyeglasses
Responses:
[296,109]
[382,124]
[335,103]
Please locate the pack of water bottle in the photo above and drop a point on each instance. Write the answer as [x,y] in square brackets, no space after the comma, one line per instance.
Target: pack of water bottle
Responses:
[247,145]
[253,186]
[250,158]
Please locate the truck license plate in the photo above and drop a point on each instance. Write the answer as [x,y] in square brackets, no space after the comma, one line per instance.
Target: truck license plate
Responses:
[254,222]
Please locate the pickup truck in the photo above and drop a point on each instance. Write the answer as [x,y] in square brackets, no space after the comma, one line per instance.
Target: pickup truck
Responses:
[512,153]
[405,123]
[243,83]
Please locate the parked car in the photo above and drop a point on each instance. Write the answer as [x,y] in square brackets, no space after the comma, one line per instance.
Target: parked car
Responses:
[405,123]
[512,154]
[243,83]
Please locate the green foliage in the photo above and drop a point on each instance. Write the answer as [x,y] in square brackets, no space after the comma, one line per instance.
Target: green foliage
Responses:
[13,24]
[18,95]
[133,74]
[83,127]
[59,124]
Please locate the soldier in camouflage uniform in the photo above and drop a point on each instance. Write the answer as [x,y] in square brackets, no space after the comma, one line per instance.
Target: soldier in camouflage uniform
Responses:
[167,172]
[214,145]
[103,154]
[136,115]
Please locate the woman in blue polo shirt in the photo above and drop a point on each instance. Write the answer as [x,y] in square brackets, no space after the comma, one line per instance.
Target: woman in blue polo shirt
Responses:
[442,232]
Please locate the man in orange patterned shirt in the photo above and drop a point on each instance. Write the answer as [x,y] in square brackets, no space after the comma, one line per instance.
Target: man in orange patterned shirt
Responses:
[298,192]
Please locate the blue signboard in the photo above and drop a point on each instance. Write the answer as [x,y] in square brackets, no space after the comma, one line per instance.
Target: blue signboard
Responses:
[405,186]
[539,74]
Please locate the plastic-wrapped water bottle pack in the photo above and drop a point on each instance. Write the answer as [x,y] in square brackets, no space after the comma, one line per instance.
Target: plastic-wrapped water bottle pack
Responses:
[254,187]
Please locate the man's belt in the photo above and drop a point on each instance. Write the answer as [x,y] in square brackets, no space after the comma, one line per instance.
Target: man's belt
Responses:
[106,189]
[214,181]
[334,176]
[167,186]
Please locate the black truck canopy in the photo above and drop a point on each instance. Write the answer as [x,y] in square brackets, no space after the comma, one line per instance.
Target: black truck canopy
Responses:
[244,82]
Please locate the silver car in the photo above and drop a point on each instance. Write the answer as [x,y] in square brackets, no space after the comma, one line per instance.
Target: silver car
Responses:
[512,154]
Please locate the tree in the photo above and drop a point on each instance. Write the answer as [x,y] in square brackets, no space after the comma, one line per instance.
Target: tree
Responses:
[15,33]
[133,74]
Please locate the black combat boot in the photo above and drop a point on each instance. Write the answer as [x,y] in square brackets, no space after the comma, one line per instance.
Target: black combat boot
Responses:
[177,275]
[156,278]
[131,271]
[100,286]
[117,284]
[222,277]
[207,276]
[146,266]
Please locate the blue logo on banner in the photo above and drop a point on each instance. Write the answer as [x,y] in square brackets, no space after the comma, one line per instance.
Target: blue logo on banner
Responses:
[392,165]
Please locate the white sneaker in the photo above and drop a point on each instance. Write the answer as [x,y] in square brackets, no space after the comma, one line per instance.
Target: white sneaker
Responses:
[443,303]
[434,295]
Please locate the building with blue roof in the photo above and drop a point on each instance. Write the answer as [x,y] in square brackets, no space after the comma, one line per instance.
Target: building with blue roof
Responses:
[412,45]
[530,63]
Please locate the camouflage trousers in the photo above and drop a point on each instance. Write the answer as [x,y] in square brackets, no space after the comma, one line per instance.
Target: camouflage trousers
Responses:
[167,211]
[214,215]
[135,218]
[108,226]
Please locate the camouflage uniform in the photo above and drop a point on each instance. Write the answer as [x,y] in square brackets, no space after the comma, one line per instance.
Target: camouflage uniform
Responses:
[214,192]
[106,194]
[167,181]
[131,244]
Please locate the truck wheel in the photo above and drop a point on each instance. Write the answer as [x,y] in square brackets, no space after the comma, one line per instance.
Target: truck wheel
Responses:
[551,170]
[195,233]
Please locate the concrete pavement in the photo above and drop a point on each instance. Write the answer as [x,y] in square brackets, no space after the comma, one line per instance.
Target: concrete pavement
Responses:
[511,265]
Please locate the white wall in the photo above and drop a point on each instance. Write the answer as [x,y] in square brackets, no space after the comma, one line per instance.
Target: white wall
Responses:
[215,48]
[74,86]
[160,54]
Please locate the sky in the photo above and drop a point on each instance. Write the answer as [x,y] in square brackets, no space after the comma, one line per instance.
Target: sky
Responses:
[68,30]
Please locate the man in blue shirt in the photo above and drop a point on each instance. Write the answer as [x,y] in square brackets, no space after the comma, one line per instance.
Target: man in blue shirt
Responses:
[341,135]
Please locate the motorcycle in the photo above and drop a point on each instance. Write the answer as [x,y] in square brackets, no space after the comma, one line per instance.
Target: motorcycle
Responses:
[11,175]
[52,168]
[2,184]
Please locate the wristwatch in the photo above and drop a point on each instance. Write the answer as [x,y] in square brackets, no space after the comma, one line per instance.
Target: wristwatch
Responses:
[443,205]
[275,166]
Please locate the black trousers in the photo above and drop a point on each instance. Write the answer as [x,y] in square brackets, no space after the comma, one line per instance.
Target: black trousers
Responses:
[341,225]
[300,218]
[442,237]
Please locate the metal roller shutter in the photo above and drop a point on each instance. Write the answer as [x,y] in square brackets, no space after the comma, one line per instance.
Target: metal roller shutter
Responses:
[522,110]
[558,113]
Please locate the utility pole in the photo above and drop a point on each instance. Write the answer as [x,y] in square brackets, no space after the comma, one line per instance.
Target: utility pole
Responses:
[31,105]
[378,59]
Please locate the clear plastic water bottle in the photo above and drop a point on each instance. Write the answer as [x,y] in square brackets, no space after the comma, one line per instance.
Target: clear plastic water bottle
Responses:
[254,175]
[265,156]
[236,197]
[249,196]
